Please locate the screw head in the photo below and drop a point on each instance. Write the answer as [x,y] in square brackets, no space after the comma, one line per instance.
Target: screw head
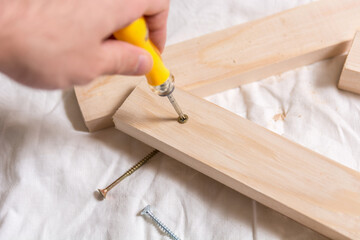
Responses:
[103,192]
[183,120]
[146,210]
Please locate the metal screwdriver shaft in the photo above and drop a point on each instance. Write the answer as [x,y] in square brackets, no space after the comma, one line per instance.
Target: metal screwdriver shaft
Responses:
[165,229]
[104,191]
[182,117]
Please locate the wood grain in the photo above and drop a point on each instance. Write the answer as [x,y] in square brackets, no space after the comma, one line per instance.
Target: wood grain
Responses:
[278,173]
[350,76]
[238,55]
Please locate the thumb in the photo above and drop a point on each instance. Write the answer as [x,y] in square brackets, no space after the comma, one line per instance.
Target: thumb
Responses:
[123,58]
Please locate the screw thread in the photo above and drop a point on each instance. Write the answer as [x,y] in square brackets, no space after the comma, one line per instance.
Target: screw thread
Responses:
[133,169]
[142,162]
[162,226]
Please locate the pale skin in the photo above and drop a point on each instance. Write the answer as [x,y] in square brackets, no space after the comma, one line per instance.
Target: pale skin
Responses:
[56,44]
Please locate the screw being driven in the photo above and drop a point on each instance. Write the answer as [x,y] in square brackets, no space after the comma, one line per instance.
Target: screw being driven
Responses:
[104,191]
[182,117]
[165,229]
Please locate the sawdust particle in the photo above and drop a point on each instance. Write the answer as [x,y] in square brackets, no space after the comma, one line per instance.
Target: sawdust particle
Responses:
[279,116]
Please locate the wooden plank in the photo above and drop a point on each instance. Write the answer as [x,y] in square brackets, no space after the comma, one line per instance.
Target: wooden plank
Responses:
[350,76]
[99,101]
[254,161]
[239,55]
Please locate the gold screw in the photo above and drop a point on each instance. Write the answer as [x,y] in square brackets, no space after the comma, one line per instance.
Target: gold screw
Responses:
[183,119]
[104,191]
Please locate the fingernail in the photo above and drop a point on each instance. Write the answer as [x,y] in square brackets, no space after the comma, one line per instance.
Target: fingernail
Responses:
[144,64]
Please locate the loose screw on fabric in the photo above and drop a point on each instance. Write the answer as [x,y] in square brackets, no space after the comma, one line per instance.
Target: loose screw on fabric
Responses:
[147,211]
[104,191]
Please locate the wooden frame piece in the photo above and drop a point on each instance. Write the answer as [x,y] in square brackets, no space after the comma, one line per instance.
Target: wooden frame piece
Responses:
[238,55]
[350,76]
[297,182]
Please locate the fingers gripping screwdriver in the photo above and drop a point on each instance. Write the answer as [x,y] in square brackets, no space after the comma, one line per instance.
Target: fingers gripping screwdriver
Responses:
[160,80]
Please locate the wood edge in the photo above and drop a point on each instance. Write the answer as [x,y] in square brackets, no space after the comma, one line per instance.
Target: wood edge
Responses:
[77,90]
[348,72]
[100,123]
[343,81]
[351,50]
[94,124]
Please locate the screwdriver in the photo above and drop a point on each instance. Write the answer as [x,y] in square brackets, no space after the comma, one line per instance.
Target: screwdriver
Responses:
[160,80]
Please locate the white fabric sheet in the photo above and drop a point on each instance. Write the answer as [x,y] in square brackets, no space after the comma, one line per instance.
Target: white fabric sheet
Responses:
[50,166]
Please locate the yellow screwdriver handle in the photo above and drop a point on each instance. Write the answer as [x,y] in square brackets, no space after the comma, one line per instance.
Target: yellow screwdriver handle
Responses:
[137,34]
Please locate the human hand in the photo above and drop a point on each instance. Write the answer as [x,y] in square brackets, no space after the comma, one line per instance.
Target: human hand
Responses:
[61,43]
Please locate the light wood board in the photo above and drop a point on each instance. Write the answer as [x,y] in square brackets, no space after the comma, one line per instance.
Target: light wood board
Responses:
[350,76]
[276,172]
[238,55]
